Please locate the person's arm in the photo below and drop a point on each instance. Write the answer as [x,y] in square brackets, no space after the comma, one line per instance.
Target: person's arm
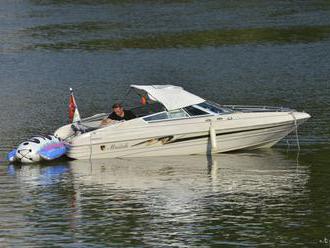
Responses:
[108,120]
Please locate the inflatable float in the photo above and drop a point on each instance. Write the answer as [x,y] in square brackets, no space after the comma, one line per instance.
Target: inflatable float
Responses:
[38,148]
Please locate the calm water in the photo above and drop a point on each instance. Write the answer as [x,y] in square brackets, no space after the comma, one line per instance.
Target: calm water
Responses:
[232,52]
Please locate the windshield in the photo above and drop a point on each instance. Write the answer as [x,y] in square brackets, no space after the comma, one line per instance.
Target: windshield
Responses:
[174,114]
[193,111]
[214,108]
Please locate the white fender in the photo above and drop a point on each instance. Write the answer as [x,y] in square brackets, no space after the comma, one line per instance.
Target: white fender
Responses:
[213,139]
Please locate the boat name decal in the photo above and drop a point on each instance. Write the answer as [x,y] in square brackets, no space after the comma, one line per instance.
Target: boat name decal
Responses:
[114,146]
[118,146]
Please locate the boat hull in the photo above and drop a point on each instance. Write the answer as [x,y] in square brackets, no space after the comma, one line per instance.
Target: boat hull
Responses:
[230,136]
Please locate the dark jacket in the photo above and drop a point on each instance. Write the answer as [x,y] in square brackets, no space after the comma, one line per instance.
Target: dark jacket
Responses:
[128,115]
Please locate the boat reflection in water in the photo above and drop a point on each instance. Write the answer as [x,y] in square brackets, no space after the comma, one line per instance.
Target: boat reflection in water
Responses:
[188,180]
[170,199]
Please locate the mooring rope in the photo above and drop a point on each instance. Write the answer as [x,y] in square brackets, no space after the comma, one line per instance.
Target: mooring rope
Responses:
[296,130]
[90,146]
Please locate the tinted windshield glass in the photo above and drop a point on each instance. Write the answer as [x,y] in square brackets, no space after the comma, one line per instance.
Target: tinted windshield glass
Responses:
[160,116]
[213,108]
[175,114]
[192,111]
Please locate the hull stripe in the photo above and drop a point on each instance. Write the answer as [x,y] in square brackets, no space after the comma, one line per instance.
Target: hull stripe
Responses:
[225,133]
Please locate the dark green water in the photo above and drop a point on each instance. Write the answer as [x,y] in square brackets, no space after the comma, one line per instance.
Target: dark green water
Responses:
[232,52]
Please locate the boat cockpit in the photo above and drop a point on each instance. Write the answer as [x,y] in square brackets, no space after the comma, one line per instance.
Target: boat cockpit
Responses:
[156,112]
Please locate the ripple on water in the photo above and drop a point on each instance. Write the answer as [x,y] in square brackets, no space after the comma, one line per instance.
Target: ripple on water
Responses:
[233,199]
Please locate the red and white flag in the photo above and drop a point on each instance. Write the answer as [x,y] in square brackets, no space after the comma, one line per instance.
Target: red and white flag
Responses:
[74,115]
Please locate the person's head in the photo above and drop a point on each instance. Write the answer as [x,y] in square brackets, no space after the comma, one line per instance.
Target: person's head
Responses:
[118,109]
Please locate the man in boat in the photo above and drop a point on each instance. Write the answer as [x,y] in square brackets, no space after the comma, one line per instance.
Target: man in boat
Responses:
[118,114]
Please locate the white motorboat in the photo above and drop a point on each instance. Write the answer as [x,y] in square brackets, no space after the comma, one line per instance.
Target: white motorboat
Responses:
[176,122]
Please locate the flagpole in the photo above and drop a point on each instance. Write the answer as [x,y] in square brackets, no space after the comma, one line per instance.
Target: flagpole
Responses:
[74,115]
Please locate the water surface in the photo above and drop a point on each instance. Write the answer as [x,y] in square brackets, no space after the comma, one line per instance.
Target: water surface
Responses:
[245,199]
[231,52]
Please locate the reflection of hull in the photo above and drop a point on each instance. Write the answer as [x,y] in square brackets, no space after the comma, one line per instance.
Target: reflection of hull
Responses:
[267,167]
[230,171]
[191,184]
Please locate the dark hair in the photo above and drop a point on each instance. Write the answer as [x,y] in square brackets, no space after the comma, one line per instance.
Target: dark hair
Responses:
[117,105]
